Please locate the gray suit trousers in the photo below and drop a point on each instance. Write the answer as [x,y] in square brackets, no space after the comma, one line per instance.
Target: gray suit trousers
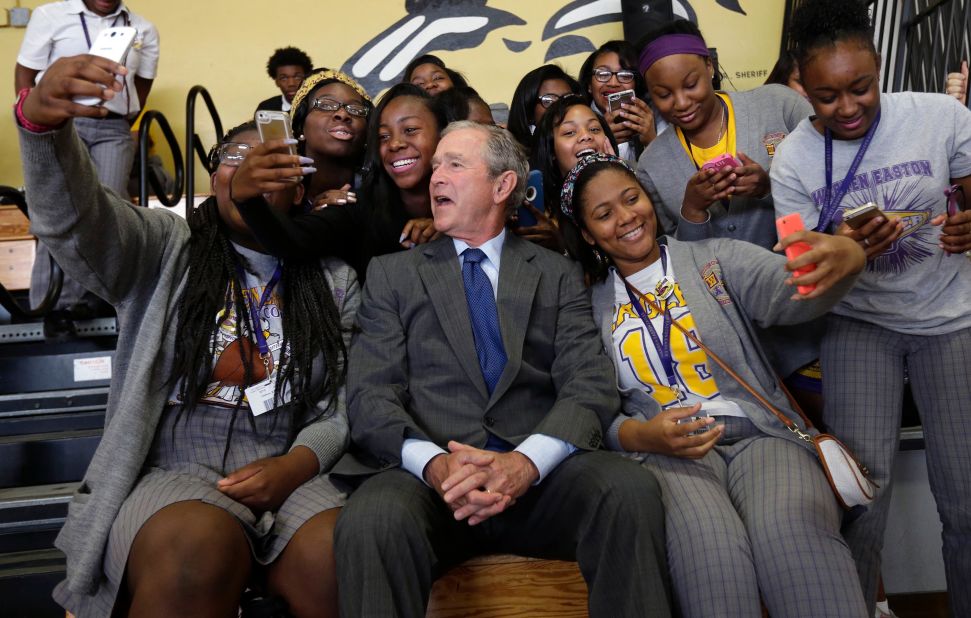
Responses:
[755,518]
[863,369]
[396,535]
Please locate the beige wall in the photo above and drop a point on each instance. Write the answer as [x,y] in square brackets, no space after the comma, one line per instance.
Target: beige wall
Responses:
[224,45]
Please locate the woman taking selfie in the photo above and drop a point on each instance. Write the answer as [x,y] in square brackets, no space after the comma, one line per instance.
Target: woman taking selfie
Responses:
[226,407]
[329,116]
[392,210]
[749,513]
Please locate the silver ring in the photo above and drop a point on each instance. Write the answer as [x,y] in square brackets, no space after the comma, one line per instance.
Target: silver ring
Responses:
[866,242]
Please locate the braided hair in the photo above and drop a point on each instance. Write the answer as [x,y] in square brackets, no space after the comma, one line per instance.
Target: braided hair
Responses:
[823,23]
[311,324]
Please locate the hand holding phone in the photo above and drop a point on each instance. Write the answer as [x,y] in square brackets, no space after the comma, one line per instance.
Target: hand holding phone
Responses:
[113,44]
[534,195]
[785,226]
[274,125]
[721,162]
[858,216]
[616,99]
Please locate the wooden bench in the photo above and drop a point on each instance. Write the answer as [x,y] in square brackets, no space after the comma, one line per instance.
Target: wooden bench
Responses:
[506,585]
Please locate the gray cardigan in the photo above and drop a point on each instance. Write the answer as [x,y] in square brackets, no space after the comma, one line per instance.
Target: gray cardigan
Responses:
[729,286]
[763,117]
[136,259]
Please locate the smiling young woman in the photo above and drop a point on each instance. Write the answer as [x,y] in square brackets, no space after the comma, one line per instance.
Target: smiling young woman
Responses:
[729,486]
[908,315]
[393,210]
[612,68]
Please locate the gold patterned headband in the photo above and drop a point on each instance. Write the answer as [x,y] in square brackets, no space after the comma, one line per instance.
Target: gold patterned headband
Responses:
[315,78]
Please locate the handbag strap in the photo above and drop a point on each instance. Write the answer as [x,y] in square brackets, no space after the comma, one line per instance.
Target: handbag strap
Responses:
[791,426]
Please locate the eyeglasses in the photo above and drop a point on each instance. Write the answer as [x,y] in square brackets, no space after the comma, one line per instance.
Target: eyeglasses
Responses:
[603,75]
[230,153]
[332,105]
[548,99]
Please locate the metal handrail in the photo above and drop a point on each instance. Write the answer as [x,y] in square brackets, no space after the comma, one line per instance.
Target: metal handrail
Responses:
[54,283]
[155,116]
[193,144]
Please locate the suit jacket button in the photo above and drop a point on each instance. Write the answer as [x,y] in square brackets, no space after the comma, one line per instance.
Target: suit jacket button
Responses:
[489,421]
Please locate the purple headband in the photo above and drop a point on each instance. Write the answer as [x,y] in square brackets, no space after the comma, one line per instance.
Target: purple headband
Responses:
[669,45]
[569,183]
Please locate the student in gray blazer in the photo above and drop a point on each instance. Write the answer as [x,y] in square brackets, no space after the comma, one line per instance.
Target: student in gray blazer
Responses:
[483,344]
[750,517]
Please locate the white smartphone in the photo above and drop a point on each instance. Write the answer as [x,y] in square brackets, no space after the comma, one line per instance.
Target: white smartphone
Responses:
[113,44]
[273,125]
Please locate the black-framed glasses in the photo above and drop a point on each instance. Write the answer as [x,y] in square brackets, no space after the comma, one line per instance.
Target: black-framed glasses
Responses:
[548,99]
[332,105]
[624,76]
[229,153]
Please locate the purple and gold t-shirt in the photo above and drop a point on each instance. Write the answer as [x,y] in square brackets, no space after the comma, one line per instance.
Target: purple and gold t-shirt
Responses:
[922,142]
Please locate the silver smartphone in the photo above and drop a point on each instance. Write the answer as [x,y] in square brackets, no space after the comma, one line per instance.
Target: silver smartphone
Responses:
[274,125]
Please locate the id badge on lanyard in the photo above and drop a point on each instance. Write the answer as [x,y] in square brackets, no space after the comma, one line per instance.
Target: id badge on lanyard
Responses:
[662,343]
[261,395]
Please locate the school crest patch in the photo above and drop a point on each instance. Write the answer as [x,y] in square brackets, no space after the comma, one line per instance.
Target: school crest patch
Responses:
[771,141]
[711,273]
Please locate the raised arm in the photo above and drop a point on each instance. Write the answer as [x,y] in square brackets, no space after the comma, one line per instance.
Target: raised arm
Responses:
[105,243]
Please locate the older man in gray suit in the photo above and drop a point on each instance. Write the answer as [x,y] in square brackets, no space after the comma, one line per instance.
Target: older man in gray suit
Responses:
[479,395]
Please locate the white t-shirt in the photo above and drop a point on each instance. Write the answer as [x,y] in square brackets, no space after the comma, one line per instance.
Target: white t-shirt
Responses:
[638,360]
[57,30]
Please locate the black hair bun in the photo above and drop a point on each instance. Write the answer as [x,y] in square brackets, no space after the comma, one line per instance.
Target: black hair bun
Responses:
[820,22]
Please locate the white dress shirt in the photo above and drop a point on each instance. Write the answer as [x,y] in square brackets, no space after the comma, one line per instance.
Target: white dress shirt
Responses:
[546,452]
[56,30]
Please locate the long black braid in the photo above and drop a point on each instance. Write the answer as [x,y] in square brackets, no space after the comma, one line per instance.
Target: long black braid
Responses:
[311,324]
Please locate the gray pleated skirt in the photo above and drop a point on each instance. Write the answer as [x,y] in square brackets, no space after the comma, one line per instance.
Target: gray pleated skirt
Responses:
[187,463]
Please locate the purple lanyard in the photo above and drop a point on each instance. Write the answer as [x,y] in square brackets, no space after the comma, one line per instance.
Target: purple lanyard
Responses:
[663,346]
[833,199]
[87,38]
[254,311]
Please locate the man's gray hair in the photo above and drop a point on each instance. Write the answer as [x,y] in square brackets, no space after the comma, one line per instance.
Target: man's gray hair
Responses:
[502,153]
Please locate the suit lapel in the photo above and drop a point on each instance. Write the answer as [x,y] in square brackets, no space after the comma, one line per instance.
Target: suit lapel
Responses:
[518,279]
[443,279]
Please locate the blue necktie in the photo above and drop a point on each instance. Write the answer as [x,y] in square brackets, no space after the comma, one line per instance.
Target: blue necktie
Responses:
[484,316]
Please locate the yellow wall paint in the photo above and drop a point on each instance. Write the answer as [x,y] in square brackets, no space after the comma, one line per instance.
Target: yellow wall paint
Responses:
[224,45]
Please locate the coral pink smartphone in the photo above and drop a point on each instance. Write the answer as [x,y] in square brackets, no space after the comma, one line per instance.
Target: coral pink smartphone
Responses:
[787,225]
[721,162]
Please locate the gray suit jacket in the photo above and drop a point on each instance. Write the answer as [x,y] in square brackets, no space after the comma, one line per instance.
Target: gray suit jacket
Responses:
[413,370]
